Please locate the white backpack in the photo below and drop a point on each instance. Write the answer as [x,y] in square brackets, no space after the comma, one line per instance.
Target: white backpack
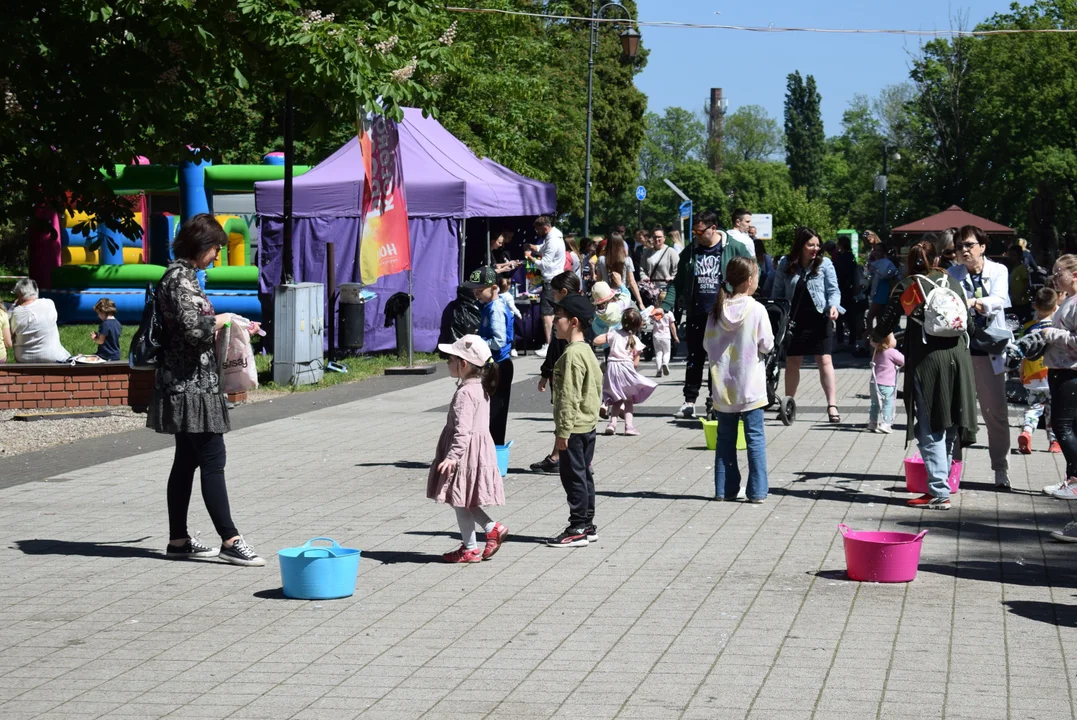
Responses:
[946,314]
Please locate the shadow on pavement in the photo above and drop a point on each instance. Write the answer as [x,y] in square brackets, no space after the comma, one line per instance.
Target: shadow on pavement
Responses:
[275,594]
[651,495]
[117,549]
[807,475]
[832,575]
[513,537]
[402,464]
[391,557]
[1008,571]
[1055,614]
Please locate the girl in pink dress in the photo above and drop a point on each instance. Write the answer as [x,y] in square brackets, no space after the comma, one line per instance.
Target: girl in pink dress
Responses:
[464,473]
[622,385]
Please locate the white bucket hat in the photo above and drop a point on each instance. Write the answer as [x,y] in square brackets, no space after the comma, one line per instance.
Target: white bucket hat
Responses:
[601,292]
[470,348]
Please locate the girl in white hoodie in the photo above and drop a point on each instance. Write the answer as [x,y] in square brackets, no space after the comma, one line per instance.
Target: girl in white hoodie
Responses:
[738,336]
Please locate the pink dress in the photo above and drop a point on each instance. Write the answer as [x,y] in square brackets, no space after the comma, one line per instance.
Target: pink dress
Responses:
[621,381]
[475,481]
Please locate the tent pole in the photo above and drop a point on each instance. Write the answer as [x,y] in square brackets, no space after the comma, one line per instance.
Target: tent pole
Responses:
[489,255]
[289,159]
[411,320]
[463,247]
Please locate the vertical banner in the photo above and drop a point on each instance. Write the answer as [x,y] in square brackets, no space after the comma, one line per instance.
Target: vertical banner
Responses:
[385,247]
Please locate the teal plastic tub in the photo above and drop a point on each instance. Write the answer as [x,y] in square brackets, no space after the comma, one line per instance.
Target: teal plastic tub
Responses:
[317,572]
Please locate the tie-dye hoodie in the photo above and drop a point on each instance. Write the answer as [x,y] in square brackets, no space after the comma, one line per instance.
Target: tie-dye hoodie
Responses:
[736,344]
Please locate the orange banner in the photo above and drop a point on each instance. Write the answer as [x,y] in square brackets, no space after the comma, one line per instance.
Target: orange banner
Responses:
[385,247]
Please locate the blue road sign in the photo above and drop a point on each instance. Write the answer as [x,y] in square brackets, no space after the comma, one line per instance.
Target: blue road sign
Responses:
[641,193]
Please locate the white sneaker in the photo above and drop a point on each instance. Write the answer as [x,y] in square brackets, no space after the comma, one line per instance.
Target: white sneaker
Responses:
[513,353]
[1050,489]
[541,352]
[1067,491]
[743,494]
[1002,481]
[884,428]
[687,411]
[1068,533]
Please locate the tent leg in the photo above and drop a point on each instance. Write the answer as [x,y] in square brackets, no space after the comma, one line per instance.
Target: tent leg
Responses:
[462,227]
[489,255]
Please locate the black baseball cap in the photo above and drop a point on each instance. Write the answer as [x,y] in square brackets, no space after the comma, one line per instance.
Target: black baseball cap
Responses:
[481,277]
[577,306]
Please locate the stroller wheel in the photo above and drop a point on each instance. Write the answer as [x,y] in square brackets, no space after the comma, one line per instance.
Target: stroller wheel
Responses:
[787,410]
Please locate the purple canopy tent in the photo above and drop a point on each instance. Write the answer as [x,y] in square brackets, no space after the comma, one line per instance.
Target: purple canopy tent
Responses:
[444,182]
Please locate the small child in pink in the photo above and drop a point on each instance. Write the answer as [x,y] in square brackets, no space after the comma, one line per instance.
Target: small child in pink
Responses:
[883,386]
[464,474]
[663,335]
[622,385]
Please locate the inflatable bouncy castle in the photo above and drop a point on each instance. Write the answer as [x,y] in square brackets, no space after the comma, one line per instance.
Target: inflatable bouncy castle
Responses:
[76,266]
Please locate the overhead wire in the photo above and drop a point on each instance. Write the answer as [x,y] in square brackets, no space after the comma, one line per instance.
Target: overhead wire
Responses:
[770,28]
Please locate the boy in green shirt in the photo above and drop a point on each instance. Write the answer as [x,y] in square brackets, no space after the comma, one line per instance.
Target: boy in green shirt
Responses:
[577,393]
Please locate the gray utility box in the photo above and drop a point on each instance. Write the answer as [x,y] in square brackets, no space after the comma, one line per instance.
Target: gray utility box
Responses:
[298,330]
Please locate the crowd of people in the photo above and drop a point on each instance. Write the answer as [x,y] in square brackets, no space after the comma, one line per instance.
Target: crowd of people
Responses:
[953,320]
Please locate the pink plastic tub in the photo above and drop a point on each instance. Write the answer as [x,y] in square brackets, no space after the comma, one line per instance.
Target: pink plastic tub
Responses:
[886,557]
[916,475]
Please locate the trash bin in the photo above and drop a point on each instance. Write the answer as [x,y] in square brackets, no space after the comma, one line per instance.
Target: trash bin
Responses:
[398,312]
[352,316]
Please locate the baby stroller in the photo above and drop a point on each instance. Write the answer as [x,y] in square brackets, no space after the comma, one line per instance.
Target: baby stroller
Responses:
[779,313]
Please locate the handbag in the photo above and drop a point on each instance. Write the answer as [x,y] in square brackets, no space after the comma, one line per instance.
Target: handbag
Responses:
[237,372]
[148,340]
[990,340]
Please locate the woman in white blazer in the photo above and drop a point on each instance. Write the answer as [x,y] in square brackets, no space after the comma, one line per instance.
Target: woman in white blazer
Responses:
[987,289]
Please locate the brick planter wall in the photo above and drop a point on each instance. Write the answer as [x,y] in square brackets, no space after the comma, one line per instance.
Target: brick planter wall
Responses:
[34,386]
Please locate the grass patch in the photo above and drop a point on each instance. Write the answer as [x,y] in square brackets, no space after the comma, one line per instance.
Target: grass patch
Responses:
[76,339]
[359,368]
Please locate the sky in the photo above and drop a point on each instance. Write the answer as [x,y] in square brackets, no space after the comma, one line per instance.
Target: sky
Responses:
[751,68]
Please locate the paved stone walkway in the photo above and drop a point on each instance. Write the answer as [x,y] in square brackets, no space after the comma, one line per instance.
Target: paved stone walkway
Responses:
[686,608]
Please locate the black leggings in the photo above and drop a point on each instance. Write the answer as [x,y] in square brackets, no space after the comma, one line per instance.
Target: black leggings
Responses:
[205,451]
[499,403]
[1063,384]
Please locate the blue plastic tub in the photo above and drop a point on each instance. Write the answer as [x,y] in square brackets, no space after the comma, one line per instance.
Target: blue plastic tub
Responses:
[503,457]
[317,572]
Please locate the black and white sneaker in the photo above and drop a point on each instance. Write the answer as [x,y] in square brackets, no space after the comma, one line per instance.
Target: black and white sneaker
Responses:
[591,531]
[571,537]
[192,549]
[241,554]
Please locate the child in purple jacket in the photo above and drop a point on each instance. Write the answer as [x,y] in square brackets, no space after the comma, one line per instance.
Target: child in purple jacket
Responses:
[883,387]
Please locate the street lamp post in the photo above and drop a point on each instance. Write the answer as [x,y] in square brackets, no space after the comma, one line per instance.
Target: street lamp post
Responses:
[629,48]
[885,184]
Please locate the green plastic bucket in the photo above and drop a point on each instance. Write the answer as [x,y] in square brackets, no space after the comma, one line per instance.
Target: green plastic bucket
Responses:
[710,434]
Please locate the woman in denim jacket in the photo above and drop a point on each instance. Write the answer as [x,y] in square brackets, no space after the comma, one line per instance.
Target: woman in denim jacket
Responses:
[806,278]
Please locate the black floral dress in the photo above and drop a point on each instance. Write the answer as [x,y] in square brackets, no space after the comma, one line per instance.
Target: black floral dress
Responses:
[187,392]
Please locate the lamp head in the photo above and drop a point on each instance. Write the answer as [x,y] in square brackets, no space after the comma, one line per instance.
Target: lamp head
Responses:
[630,43]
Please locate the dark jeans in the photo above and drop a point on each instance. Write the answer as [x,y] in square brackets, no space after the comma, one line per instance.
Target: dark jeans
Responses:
[1063,384]
[193,451]
[499,403]
[697,356]
[726,471]
[576,478]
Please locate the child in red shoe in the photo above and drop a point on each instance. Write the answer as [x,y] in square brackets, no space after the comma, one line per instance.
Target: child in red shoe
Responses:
[464,474]
[1034,377]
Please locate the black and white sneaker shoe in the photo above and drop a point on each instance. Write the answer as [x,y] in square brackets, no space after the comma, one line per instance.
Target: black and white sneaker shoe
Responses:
[241,554]
[192,549]
[591,531]
[571,537]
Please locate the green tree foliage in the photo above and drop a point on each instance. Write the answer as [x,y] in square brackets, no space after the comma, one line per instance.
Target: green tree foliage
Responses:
[671,140]
[805,142]
[766,187]
[750,134]
[93,83]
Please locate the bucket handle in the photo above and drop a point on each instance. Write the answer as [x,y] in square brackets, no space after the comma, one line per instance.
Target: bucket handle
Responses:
[844,529]
[920,536]
[308,543]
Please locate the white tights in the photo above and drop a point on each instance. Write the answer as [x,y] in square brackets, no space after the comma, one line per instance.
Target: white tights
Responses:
[468,519]
[661,352]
